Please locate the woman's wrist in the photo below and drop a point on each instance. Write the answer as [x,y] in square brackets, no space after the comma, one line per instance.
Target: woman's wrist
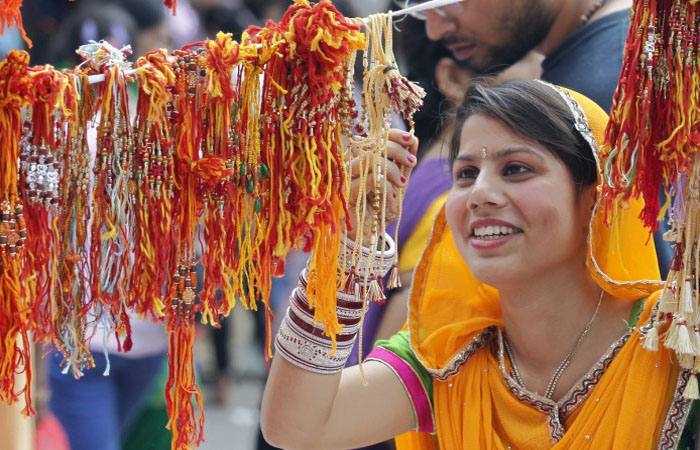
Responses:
[303,341]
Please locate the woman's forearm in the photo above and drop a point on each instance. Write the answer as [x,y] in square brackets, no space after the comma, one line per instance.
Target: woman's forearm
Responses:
[302,390]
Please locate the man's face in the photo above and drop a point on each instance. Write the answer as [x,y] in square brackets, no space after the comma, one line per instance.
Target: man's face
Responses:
[487,36]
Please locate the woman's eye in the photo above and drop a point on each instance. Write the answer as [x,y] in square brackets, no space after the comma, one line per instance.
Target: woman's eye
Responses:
[516,169]
[467,173]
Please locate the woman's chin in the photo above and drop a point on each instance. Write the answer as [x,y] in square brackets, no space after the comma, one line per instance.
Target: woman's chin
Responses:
[497,275]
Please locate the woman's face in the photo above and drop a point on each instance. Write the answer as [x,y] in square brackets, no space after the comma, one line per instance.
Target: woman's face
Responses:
[513,209]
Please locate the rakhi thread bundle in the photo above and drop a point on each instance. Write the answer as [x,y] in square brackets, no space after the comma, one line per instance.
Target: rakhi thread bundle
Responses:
[306,107]
[70,297]
[654,135]
[384,92]
[15,92]
[234,157]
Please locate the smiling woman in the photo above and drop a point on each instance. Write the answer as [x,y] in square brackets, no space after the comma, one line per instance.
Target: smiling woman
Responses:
[522,176]
[526,312]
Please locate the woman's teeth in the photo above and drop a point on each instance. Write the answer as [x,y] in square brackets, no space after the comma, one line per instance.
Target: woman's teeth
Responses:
[493,232]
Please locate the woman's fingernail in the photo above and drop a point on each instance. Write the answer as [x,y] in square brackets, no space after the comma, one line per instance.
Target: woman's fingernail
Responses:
[411,159]
[394,194]
[406,136]
[403,180]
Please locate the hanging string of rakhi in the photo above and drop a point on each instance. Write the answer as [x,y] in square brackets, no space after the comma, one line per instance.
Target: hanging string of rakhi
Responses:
[658,86]
[154,183]
[48,128]
[15,93]
[69,292]
[112,224]
[235,157]
[654,136]
[384,92]
[303,139]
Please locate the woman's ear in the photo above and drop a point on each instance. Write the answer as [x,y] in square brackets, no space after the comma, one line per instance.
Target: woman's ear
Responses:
[452,80]
[587,197]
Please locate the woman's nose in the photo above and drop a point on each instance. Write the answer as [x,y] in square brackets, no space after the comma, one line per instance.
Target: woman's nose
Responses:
[485,192]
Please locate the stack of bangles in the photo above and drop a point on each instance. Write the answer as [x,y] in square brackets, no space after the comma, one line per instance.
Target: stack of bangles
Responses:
[303,341]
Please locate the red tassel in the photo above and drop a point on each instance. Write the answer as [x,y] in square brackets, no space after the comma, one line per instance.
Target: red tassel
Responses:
[171,4]
[655,108]
[183,397]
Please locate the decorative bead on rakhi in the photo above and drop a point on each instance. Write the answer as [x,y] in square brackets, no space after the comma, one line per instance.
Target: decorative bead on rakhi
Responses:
[13,231]
[185,282]
[39,170]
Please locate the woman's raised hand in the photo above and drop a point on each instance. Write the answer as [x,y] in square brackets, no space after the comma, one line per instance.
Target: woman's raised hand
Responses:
[402,147]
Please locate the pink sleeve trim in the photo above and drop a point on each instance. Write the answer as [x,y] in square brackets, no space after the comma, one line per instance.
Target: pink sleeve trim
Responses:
[412,384]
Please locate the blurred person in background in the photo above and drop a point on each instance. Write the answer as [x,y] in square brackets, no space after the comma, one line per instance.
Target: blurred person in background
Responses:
[42,20]
[267,9]
[152,31]
[94,20]
[582,41]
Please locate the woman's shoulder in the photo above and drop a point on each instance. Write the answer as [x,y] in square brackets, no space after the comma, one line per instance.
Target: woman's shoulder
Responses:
[399,346]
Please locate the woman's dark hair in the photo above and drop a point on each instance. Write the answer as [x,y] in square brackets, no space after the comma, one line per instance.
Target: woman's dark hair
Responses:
[535,111]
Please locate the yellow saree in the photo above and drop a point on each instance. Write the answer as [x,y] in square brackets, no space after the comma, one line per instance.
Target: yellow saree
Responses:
[631,400]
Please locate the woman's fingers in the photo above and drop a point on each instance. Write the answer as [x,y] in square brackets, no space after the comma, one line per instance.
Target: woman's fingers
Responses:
[380,179]
[407,141]
[400,151]
[383,169]
[393,173]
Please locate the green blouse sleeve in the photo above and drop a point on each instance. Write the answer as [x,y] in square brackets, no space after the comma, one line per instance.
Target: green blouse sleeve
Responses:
[396,353]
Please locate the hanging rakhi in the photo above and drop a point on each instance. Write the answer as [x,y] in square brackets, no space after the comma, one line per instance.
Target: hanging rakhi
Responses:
[15,93]
[154,182]
[48,129]
[182,393]
[654,133]
[304,105]
[220,146]
[256,204]
[112,218]
[653,124]
[70,294]
[384,92]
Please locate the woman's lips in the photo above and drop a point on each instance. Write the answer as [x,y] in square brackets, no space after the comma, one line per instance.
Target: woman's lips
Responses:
[481,243]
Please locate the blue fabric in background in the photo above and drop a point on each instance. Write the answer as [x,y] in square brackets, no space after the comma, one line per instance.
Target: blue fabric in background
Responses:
[96,410]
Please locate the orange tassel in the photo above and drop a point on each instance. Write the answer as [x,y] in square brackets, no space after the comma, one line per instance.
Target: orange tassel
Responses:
[181,388]
[10,16]
[15,92]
